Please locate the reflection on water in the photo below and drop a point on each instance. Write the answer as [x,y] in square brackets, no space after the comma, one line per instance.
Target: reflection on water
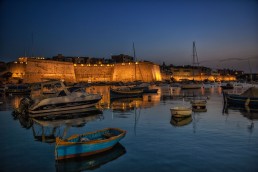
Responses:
[147,101]
[180,121]
[46,130]
[91,162]
[125,104]
[251,114]
[230,133]
[10,102]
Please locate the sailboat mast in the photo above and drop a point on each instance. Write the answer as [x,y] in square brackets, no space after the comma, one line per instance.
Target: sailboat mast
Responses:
[193,53]
[135,62]
[193,58]
[134,53]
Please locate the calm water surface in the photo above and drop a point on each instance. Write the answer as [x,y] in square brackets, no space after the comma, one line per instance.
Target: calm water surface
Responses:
[209,141]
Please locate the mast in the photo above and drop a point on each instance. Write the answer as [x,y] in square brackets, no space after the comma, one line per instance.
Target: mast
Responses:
[195,58]
[135,62]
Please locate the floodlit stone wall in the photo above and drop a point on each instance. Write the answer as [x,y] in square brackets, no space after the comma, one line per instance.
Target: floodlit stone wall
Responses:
[35,70]
[40,70]
[144,71]
[93,73]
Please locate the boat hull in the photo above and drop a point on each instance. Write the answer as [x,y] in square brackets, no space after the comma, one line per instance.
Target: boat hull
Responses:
[199,106]
[125,94]
[66,149]
[61,108]
[237,100]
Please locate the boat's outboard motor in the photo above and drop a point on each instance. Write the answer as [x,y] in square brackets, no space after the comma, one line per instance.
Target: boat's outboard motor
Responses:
[24,106]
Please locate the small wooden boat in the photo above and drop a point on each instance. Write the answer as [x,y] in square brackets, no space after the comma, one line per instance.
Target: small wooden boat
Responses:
[125,93]
[88,143]
[199,105]
[181,111]
[248,98]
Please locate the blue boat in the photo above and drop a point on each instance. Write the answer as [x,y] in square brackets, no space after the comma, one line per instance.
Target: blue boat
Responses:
[248,98]
[88,144]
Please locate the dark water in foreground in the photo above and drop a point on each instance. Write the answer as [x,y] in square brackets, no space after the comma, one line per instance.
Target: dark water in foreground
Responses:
[209,141]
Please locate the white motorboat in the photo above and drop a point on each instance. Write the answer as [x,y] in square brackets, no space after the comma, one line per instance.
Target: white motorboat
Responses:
[53,96]
[181,111]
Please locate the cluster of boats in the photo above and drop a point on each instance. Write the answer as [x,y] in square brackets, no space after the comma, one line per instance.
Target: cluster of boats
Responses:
[49,100]
[185,111]
[52,99]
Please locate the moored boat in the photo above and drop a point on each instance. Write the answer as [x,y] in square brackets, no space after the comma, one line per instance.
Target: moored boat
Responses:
[125,93]
[57,100]
[181,111]
[199,105]
[145,88]
[88,144]
[248,98]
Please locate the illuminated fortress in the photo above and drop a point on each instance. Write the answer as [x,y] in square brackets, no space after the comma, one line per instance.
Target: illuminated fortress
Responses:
[37,70]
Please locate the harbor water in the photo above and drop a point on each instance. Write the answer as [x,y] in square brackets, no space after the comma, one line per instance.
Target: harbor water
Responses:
[221,139]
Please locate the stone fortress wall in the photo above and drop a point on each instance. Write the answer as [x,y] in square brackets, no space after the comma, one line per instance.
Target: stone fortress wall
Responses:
[144,71]
[40,70]
[35,70]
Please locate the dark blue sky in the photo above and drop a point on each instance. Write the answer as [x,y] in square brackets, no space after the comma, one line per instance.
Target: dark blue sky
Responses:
[225,31]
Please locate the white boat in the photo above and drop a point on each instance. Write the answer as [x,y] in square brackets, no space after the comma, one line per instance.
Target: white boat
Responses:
[199,105]
[53,96]
[181,111]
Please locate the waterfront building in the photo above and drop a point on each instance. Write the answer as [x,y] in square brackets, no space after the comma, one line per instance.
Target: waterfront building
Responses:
[122,58]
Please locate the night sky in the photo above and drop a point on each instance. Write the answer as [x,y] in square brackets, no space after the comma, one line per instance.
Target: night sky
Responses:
[225,31]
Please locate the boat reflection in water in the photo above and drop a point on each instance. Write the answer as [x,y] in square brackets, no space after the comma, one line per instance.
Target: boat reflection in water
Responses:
[90,162]
[47,129]
[251,114]
[125,104]
[178,122]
